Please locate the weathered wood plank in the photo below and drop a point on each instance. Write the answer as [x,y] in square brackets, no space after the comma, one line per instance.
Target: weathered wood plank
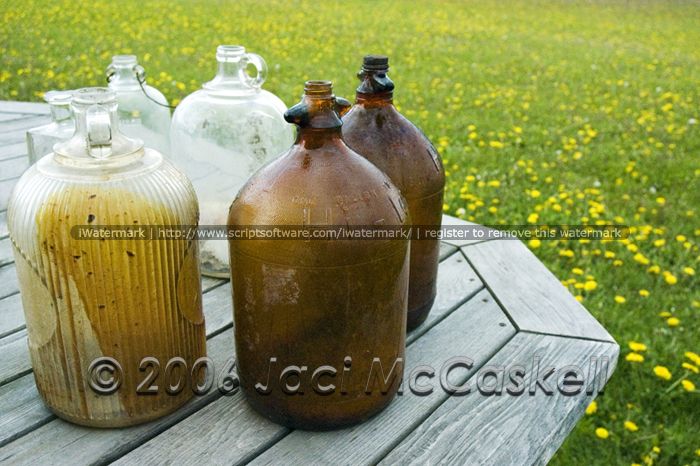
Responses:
[18,149]
[11,315]
[5,191]
[4,233]
[446,250]
[15,357]
[529,293]
[14,116]
[6,256]
[16,361]
[447,221]
[59,442]
[507,429]
[370,441]
[455,280]
[23,124]
[13,106]
[8,282]
[21,408]
[14,167]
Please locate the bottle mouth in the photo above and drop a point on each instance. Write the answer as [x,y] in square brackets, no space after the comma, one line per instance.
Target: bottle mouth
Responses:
[229,52]
[124,61]
[375,63]
[63,98]
[318,88]
[94,96]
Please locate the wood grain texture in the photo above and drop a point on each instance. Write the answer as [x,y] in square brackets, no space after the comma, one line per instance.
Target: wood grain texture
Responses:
[59,442]
[369,442]
[529,293]
[455,278]
[228,431]
[10,151]
[13,167]
[34,108]
[8,282]
[507,429]
[22,409]
[23,124]
[448,220]
[11,315]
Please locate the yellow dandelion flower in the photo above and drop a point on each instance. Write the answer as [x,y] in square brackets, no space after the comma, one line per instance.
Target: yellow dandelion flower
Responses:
[636,346]
[664,314]
[535,193]
[690,367]
[693,357]
[590,285]
[496,144]
[533,217]
[592,408]
[681,238]
[644,293]
[661,200]
[689,271]
[534,243]
[631,426]
[656,450]
[620,299]
[670,279]
[579,298]
[688,385]
[655,269]
[662,372]
[602,432]
[659,242]
[673,321]
[634,357]
[577,271]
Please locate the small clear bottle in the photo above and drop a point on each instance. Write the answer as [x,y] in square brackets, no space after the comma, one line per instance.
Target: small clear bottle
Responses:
[221,134]
[40,140]
[97,304]
[143,109]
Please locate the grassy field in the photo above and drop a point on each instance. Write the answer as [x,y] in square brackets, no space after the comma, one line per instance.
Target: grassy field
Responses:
[556,112]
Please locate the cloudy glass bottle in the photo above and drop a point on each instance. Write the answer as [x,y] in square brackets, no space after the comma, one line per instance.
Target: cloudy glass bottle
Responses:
[143,109]
[40,140]
[97,304]
[336,307]
[221,134]
[376,129]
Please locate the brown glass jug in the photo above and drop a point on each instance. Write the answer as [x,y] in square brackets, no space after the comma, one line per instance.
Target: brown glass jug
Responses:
[375,129]
[319,323]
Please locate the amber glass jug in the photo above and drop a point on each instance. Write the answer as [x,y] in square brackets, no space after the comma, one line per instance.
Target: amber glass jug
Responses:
[318,322]
[375,129]
[97,298]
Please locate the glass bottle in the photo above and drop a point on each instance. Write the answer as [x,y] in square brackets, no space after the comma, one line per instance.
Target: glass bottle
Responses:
[89,298]
[221,134]
[143,109]
[40,140]
[328,305]
[376,129]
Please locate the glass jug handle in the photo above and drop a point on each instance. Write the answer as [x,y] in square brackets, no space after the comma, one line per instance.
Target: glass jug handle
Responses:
[99,132]
[257,61]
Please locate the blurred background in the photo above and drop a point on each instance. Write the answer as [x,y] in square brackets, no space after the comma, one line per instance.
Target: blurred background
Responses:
[544,112]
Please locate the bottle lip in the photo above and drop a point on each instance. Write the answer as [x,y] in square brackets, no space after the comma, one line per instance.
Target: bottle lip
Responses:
[375,63]
[124,60]
[94,96]
[318,88]
[59,97]
[229,52]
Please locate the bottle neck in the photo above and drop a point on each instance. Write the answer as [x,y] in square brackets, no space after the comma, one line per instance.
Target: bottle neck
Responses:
[375,89]
[124,73]
[374,100]
[232,77]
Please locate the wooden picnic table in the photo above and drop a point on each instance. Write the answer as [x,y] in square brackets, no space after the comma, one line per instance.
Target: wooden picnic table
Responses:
[497,304]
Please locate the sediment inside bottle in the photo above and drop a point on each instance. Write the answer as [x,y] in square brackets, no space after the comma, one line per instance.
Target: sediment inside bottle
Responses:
[121,298]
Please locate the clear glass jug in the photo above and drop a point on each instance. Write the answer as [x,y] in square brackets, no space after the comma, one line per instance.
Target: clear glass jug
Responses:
[143,110]
[221,134]
[100,301]
[40,140]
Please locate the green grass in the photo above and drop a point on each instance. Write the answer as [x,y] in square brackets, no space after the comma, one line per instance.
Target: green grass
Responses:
[590,105]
